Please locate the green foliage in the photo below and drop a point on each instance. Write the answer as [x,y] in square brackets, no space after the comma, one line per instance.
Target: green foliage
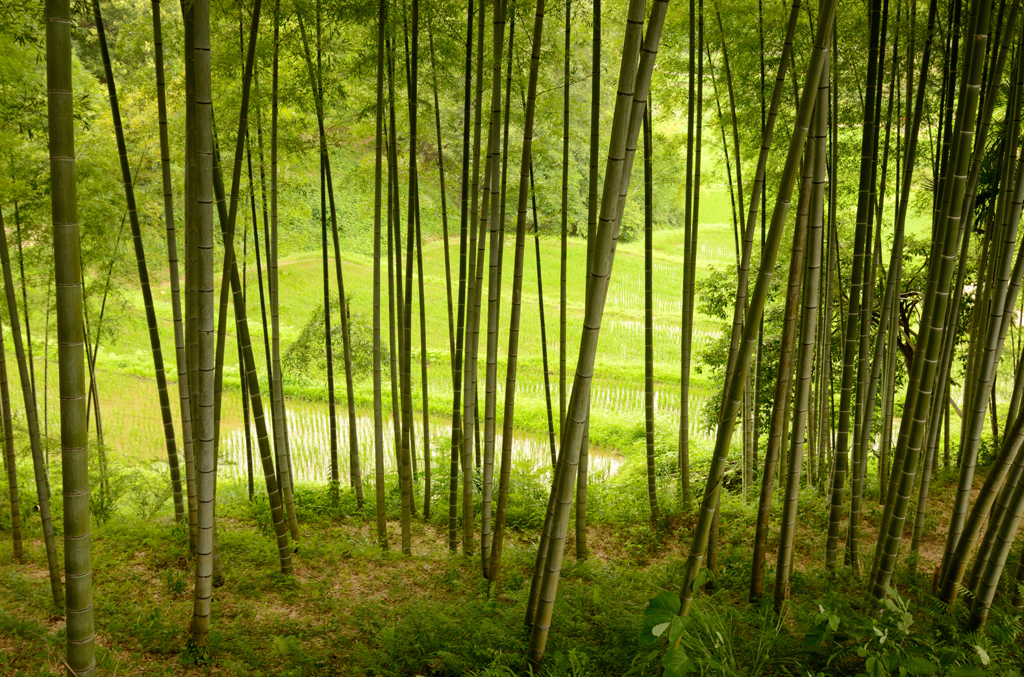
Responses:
[307,356]
[836,636]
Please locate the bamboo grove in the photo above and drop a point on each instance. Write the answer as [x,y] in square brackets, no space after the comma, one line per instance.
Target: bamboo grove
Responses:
[850,348]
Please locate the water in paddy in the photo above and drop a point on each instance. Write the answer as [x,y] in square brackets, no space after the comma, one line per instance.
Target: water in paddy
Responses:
[310,443]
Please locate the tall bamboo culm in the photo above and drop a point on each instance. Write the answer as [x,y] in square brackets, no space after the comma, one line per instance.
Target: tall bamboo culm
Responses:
[525,191]
[9,457]
[933,320]
[81,659]
[817,153]
[851,330]
[143,271]
[733,396]
[457,453]
[181,360]
[495,232]
[39,464]
[206,483]
[631,100]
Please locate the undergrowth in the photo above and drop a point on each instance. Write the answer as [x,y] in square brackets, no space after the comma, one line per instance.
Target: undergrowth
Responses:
[354,609]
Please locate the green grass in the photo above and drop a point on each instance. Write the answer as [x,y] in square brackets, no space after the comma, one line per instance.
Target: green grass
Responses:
[353,609]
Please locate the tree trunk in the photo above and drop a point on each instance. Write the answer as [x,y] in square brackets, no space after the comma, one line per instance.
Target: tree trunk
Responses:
[140,258]
[734,394]
[378,415]
[9,456]
[67,270]
[631,100]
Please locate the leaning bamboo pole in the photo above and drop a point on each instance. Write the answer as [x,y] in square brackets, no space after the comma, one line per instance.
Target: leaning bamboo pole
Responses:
[143,271]
[936,296]
[808,329]
[734,391]
[631,100]
[787,356]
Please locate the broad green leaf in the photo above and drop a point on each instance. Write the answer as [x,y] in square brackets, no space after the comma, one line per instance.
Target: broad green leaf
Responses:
[814,636]
[664,601]
[678,625]
[948,656]
[661,609]
[874,667]
[676,662]
[919,665]
[969,671]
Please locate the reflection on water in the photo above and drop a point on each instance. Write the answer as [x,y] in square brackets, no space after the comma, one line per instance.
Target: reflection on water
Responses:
[309,438]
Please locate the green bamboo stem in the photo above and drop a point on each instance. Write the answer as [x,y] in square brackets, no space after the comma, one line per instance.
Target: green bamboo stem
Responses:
[494,283]
[997,514]
[324,192]
[476,242]
[206,479]
[936,298]
[378,416]
[913,124]
[465,224]
[172,258]
[444,201]
[652,494]
[564,250]
[9,457]
[39,464]
[973,422]
[470,415]
[734,393]
[851,331]
[406,465]
[67,270]
[994,569]
[808,330]
[787,357]
[140,258]
[278,411]
[759,181]
[631,100]
[227,219]
[543,325]
[689,245]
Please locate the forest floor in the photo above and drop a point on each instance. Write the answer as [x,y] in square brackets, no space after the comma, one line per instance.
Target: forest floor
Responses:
[353,609]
